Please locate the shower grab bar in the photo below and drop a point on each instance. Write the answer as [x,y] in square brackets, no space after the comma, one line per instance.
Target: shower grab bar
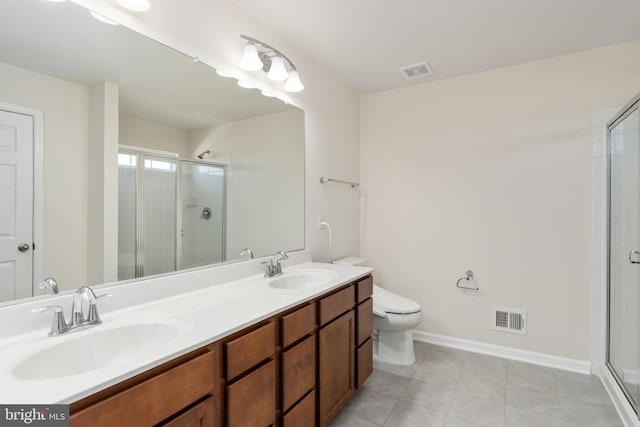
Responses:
[468,276]
[352,184]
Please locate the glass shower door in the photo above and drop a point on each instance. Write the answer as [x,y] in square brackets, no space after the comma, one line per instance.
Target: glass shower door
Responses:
[624,252]
[203,214]
[158,243]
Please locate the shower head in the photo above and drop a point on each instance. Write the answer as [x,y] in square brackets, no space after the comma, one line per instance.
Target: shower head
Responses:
[204,153]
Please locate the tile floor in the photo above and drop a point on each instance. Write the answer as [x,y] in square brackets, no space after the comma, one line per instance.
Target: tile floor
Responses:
[448,387]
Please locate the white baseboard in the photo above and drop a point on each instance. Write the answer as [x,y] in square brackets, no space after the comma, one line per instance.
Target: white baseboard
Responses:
[626,412]
[573,365]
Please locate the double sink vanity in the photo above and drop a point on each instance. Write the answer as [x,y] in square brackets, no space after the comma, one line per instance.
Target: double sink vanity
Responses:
[220,346]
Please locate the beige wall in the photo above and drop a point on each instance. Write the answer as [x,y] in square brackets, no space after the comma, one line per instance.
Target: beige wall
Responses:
[144,133]
[492,172]
[210,30]
[66,108]
[265,157]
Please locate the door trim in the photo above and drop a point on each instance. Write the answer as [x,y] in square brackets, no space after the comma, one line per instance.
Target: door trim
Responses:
[38,188]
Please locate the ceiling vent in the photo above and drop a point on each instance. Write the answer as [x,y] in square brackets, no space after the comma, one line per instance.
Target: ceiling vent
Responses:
[416,70]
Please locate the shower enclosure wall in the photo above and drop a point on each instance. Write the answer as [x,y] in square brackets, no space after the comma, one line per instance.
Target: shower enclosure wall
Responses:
[623,349]
[171,213]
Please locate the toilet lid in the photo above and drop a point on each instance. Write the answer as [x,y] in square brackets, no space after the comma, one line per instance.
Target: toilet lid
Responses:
[388,302]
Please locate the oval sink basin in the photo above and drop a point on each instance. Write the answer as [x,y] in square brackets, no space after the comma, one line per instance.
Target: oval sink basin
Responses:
[94,350]
[302,279]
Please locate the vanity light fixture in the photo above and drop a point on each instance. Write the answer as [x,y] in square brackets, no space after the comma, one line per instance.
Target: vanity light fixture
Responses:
[135,5]
[259,55]
[222,73]
[267,94]
[245,85]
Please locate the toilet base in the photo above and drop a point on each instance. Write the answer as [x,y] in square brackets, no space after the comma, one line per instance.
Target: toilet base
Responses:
[395,347]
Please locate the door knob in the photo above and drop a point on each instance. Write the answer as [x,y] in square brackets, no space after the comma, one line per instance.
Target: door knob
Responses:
[23,247]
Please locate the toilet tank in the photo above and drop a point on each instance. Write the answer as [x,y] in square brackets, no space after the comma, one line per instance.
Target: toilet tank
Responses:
[351,261]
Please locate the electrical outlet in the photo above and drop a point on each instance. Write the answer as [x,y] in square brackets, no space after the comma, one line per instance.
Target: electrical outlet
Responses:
[321,219]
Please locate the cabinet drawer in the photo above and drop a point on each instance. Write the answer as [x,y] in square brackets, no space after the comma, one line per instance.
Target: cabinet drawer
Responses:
[364,358]
[200,415]
[335,305]
[251,401]
[364,289]
[296,325]
[298,371]
[152,400]
[364,322]
[303,414]
[246,351]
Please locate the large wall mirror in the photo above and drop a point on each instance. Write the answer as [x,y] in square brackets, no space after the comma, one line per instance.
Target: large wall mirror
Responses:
[148,161]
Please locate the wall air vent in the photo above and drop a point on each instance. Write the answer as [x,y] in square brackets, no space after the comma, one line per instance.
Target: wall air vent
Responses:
[416,70]
[509,320]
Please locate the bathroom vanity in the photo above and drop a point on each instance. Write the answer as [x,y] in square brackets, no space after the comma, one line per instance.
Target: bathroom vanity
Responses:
[288,355]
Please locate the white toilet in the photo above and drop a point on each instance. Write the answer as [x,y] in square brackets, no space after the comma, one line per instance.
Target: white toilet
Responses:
[393,318]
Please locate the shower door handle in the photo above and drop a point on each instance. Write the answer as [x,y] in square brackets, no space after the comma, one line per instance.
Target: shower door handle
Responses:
[634,257]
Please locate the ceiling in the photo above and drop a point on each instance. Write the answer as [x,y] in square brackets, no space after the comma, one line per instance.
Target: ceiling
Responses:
[365,42]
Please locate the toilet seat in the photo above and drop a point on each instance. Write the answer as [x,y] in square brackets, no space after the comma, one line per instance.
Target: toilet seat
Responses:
[387,302]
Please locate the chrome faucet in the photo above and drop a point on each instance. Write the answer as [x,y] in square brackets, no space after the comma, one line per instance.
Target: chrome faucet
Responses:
[273,266]
[50,283]
[78,319]
[247,251]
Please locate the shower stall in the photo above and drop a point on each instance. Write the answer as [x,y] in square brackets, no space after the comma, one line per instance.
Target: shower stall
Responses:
[171,213]
[623,347]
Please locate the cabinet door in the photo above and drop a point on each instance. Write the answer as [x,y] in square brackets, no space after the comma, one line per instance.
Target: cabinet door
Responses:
[365,321]
[251,401]
[200,415]
[298,371]
[336,354]
[364,366]
[303,414]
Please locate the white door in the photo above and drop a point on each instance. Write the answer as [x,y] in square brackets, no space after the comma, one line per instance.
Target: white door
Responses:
[16,205]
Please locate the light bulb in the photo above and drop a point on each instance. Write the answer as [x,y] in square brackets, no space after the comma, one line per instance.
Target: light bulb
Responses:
[293,84]
[102,18]
[245,85]
[277,72]
[135,5]
[250,59]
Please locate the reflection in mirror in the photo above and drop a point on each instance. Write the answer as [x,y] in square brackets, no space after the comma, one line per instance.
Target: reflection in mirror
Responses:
[126,158]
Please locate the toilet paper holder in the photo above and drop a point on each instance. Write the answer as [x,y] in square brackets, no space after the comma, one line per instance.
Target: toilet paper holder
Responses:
[468,277]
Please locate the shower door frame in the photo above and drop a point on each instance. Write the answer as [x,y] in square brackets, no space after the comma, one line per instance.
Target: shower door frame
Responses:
[626,111]
[140,153]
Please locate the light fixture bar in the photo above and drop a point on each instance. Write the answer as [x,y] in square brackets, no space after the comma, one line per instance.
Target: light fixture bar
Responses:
[269,47]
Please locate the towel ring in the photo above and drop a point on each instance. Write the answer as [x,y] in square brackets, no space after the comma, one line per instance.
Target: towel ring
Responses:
[468,276]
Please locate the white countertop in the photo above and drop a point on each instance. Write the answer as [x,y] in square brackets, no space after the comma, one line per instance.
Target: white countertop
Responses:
[200,317]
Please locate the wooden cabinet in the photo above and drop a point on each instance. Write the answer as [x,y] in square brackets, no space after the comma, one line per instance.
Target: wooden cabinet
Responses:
[303,414]
[200,415]
[294,369]
[298,366]
[250,377]
[251,401]
[148,401]
[249,349]
[364,330]
[336,366]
